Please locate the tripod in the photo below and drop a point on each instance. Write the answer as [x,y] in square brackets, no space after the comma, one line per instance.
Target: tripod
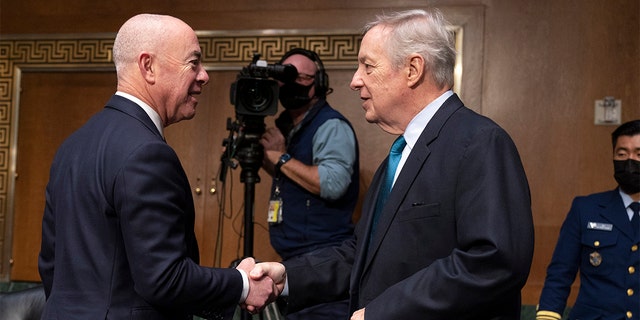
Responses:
[246,148]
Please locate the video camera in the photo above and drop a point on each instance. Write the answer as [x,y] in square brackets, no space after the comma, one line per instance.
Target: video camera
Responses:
[254,95]
[255,92]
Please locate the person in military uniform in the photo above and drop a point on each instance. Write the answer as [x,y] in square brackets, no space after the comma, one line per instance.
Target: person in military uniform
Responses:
[600,238]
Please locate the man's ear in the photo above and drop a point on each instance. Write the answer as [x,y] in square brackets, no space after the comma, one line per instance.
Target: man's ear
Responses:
[415,73]
[147,67]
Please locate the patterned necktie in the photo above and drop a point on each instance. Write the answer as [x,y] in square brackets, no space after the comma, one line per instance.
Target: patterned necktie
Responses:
[392,164]
[635,220]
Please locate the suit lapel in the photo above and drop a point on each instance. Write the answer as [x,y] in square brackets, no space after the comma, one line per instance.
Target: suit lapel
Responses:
[409,172]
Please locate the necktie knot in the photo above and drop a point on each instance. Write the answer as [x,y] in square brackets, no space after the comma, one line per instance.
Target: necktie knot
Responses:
[635,207]
[394,159]
[398,145]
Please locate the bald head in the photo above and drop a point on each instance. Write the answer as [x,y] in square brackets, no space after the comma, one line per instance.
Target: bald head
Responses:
[144,32]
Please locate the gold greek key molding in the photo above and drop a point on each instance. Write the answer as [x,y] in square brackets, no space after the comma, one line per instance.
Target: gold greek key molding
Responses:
[237,50]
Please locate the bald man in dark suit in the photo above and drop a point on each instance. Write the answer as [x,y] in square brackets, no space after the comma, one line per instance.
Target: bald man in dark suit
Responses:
[118,236]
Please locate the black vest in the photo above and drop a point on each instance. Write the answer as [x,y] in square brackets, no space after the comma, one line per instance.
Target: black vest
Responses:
[310,222]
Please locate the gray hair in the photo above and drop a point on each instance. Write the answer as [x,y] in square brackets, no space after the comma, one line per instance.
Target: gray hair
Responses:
[424,32]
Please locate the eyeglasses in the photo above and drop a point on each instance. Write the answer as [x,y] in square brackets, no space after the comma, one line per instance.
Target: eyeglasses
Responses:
[304,77]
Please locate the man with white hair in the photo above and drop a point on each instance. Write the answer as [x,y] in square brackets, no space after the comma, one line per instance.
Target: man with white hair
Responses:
[446,230]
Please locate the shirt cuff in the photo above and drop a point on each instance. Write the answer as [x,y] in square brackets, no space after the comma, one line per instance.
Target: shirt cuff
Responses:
[245,286]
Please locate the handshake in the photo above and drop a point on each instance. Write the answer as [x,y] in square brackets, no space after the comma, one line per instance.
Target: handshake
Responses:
[266,283]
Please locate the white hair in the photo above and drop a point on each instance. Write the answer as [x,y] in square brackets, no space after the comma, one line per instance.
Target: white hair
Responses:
[424,32]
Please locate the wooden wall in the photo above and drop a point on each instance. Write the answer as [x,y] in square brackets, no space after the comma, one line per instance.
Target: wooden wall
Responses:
[536,69]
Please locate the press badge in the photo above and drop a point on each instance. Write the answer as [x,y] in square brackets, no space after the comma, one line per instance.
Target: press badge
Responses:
[275,211]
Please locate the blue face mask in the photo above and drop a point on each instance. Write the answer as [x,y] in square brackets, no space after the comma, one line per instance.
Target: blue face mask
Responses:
[627,174]
[293,95]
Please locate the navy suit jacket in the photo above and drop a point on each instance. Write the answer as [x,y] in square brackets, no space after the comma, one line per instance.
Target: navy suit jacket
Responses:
[597,239]
[118,236]
[455,238]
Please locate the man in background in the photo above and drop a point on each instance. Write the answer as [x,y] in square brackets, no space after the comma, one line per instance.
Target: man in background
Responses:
[599,238]
[312,155]
[118,236]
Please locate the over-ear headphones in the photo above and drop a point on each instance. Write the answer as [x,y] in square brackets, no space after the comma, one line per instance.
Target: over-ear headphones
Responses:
[321,82]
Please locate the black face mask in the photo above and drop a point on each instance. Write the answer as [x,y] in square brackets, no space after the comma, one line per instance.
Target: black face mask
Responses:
[627,174]
[293,95]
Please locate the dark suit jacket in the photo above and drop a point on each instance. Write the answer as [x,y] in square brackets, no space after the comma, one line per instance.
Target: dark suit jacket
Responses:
[454,241]
[118,236]
[597,240]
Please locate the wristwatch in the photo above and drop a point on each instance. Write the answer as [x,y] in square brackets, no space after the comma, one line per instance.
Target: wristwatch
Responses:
[283,159]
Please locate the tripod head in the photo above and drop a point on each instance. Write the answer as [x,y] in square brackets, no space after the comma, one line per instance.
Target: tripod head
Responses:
[243,145]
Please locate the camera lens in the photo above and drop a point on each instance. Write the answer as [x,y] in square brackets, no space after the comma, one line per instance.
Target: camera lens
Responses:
[256,96]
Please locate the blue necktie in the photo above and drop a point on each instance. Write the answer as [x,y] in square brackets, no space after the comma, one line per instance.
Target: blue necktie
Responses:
[392,164]
[635,220]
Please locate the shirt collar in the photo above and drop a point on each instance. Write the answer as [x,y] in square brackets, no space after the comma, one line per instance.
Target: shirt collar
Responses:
[155,117]
[420,121]
[626,199]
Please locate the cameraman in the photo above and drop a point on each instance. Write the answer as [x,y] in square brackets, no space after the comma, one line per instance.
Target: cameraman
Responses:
[312,156]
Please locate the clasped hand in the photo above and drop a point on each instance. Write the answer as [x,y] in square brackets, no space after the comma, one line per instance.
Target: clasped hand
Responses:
[266,282]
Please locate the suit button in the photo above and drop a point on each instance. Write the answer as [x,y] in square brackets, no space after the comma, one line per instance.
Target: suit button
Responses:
[634,248]
[596,243]
[629,292]
[629,314]
[632,270]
